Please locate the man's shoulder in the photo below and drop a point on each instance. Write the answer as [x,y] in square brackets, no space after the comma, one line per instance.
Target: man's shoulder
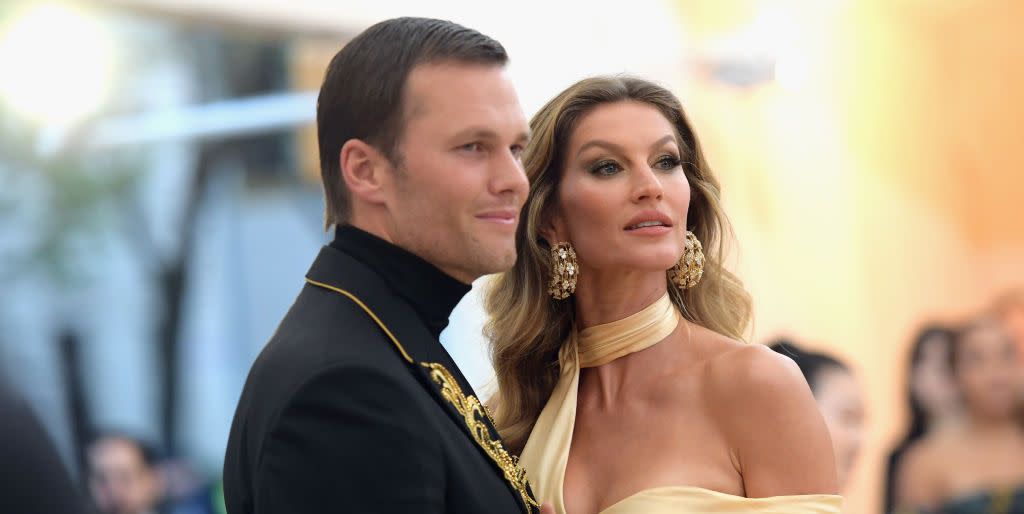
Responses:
[323,333]
[324,327]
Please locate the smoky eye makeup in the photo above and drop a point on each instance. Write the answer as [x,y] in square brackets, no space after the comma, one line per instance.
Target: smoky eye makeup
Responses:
[607,167]
[604,167]
[667,162]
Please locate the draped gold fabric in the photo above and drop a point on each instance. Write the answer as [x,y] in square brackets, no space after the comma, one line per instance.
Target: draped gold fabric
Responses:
[547,451]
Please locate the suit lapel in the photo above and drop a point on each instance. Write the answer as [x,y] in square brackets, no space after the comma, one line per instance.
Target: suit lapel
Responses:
[427,359]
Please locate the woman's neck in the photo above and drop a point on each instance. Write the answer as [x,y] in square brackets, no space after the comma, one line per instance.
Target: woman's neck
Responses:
[991,426]
[945,422]
[610,296]
[605,385]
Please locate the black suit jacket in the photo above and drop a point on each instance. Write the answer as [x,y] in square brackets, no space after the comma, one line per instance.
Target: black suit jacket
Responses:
[354,406]
[33,479]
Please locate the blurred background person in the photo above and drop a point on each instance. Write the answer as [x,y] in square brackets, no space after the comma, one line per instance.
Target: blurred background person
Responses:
[978,465]
[1009,309]
[933,401]
[33,480]
[839,399]
[188,491]
[124,475]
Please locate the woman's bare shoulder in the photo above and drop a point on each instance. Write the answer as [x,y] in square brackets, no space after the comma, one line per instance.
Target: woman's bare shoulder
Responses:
[735,369]
[753,391]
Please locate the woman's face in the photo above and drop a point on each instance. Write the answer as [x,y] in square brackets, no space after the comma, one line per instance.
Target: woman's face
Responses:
[986,370]
[623,196]
[931,380]
[1013,320]
[839,399]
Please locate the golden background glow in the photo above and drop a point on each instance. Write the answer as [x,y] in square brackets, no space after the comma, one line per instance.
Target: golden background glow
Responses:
[881,189]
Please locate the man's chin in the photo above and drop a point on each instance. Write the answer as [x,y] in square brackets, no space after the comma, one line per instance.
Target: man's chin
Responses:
[498,263]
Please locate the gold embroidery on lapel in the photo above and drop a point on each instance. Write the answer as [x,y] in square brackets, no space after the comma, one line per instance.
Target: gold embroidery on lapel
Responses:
[473,414]
[469,408]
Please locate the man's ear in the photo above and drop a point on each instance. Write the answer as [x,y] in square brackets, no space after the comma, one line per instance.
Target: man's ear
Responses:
[365,170]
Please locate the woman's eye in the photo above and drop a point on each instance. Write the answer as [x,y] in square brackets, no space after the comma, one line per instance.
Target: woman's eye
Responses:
[605,168]
[667,163]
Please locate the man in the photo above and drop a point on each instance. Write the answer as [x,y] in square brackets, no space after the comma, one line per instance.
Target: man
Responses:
[354,405]
[124,477]
[33,480]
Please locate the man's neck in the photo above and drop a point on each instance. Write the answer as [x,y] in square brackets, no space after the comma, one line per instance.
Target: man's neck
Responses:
[431,291]
[376,228]
[380,230]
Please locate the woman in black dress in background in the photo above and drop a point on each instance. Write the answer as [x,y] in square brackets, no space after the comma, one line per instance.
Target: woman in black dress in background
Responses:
[932,398]
[976,467]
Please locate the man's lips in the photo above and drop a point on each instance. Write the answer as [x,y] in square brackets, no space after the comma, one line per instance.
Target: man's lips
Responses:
[502,216]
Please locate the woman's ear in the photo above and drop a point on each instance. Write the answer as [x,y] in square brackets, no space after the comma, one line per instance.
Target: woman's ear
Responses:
[552,229]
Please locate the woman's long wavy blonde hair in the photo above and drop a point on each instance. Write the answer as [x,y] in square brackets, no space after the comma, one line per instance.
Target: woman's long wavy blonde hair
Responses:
[526,327]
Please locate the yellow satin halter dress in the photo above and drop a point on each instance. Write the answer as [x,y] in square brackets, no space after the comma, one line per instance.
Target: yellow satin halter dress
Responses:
[547,450]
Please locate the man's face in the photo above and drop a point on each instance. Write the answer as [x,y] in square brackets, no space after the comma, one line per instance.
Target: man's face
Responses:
[459,184]
[120,480]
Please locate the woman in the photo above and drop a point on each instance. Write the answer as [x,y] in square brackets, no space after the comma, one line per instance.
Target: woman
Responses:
[614,337]
[978,466]
[839,399]
[932,399]
[1009,308]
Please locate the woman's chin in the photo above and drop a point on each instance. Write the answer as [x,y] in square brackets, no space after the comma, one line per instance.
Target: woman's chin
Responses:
[654,265]
[632,261]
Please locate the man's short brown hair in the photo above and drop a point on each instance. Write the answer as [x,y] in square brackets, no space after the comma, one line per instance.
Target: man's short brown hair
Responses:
[362,96]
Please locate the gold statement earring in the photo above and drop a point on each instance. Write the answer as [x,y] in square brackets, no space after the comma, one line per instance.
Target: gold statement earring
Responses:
[690,268]
[564,271]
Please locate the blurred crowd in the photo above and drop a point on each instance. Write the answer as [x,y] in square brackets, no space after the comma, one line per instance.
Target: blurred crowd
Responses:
[962,451]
